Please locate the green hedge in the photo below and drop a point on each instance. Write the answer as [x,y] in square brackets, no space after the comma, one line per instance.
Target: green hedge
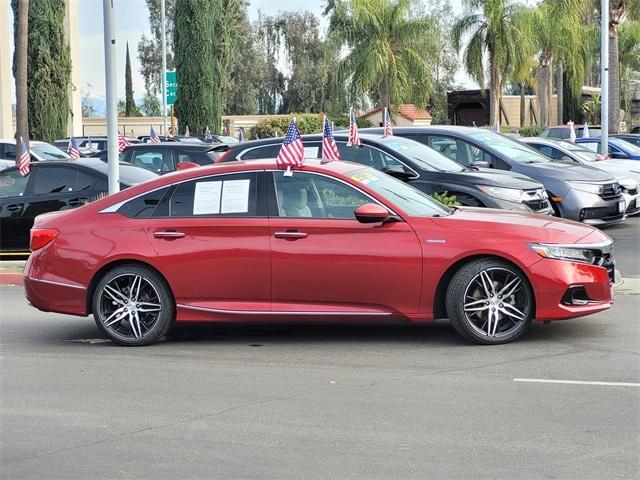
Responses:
[307,123]
[530,131]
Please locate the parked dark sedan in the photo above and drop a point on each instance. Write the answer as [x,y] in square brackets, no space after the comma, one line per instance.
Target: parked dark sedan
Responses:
[164,157]
[577,192]
[52,186]
[421,167]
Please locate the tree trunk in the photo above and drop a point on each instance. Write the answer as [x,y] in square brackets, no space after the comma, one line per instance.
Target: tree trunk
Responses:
[384,93]
[522,105]
[614,81]
[560,90]
[494,93]
[542,92]
[21,10]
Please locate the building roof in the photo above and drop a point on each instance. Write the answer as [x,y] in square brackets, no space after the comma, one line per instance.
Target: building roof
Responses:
[407,110]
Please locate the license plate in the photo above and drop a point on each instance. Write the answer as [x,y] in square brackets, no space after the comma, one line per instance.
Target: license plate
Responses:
[622,206]
[638,202]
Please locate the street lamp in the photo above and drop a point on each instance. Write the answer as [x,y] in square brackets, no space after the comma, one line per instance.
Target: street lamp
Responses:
[110,85]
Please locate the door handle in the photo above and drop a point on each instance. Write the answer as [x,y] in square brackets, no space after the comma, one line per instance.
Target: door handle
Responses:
[15,207]
[168,234]
[290,235]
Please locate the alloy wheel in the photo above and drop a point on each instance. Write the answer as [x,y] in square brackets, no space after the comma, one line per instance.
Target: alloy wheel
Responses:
[130,306]
[496,302]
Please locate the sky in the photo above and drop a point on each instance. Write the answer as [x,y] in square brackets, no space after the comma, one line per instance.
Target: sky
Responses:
[131,21]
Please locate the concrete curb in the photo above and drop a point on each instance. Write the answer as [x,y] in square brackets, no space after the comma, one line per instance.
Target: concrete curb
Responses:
[10,278]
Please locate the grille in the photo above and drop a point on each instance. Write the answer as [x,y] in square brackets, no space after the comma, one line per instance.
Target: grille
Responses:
[631,191]
[610,191]
[604,258]
[538,205]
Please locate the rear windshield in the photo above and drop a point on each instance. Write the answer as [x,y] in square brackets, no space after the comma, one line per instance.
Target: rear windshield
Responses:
[129,174]
[47,151]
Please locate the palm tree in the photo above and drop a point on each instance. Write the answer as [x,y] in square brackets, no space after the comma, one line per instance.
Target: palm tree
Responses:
[493,40]
[556,29]
[629,58]
[21,26]
[386,45]
[524,76]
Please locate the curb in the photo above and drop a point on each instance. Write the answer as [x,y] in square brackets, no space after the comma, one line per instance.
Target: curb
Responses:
[10,279]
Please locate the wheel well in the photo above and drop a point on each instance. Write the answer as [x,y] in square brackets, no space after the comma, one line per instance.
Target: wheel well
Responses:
[439,300]
[110,266]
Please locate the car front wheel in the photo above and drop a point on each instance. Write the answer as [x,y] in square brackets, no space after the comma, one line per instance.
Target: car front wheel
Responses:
[489,302]
[133,305]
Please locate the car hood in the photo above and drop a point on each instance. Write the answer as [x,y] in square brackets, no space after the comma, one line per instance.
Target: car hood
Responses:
[511,224]
[499,178]
[571,172]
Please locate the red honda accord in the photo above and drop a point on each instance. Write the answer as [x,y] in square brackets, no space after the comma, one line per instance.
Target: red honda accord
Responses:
[246,242]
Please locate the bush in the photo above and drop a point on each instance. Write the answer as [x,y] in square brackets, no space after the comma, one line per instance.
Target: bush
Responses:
[307,123]
[445,198]
[530,131]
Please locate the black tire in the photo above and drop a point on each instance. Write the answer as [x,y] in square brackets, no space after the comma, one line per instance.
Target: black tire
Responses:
[481,306]
[133,312]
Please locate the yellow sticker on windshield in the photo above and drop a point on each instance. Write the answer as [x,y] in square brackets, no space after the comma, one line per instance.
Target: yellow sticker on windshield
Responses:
[363,177]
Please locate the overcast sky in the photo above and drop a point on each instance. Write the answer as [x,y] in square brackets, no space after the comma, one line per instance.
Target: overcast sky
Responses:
[132,21]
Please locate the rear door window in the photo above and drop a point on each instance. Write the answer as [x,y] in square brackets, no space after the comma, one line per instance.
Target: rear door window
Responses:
[265,151]
[54,180]
[155,160]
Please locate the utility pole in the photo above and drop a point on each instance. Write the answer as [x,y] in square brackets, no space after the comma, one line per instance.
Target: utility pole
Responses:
[110,84]
[164,67]
[604,77]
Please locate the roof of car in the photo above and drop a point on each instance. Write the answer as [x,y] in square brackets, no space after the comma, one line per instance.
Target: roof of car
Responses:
[417,129]
[12,141]
[544,140]
[180,145]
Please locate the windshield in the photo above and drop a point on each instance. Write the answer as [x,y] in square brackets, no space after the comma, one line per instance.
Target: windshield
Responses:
[424,157]
[411,200]
[581,152]
[510,148]
[47,152]
[626,146]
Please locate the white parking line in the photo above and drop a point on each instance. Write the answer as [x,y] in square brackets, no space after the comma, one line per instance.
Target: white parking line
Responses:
[577,382]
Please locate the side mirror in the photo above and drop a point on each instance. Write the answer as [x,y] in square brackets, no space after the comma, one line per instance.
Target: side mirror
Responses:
[481,164]
[618,155]
[398,172]
[186,165]
[371,213]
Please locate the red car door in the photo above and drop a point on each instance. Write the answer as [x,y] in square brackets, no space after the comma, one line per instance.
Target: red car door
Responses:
[324,260]
[214,244]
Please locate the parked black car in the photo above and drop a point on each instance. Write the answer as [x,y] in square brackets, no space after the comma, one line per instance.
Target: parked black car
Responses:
[422,167]
[164,157]
[49,187]
[578,192]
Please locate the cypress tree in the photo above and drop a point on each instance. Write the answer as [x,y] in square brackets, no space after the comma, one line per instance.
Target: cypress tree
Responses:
[201,52]
[130,104]
[49,67]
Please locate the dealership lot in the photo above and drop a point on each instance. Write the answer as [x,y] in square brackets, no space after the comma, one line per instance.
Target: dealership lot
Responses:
[324,401]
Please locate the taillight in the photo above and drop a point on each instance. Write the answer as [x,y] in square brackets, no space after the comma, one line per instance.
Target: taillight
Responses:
[41,236]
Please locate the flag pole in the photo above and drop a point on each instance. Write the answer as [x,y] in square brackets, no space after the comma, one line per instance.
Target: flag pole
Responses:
[110,84]
[164,68]
[604,77]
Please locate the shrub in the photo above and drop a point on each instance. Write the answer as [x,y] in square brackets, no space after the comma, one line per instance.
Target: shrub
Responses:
[445,198]
[530,131]
[307,123]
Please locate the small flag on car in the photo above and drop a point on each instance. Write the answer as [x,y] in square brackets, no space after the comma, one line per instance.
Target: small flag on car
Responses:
[388,131]
[186,131]
[24,161]
[329,147]
[207,135]
[153,136]
[241,134]
[292,151]
[72,149]
[122,142]
[585,130]
[572,132]
[354,138]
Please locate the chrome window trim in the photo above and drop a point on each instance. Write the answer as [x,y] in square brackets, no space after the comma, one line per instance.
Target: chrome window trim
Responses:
[279,312]
[60,284]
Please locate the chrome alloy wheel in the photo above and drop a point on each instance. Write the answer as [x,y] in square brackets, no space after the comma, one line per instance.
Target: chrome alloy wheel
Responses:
[496,302]
[129,306]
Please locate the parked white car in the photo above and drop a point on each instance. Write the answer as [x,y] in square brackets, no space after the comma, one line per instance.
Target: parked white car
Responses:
[627,172]
[40,151]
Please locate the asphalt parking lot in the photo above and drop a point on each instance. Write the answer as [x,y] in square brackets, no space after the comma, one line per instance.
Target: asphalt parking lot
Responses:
[296,402]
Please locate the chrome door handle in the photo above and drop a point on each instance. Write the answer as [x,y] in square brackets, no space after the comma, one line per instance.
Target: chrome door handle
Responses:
[290,235]
[168,234]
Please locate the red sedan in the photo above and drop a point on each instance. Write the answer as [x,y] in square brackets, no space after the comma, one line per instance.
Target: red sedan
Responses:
[245,242]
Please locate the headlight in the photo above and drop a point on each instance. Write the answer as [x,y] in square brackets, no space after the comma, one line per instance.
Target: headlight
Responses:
[587,187]
[510,194]
[628,183]
[562,252]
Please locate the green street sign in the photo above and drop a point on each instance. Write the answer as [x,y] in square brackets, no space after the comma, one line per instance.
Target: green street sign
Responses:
[172,87]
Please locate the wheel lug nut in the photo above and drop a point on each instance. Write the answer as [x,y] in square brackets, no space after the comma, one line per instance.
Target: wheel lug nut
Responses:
[487,303]
[500,305]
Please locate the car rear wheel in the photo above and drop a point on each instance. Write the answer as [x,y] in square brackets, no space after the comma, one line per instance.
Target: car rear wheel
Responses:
[133,305]
[490,302]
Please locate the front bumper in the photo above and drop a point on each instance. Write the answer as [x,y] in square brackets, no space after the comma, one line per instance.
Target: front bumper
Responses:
[552,279]
[592,209]
[633,204]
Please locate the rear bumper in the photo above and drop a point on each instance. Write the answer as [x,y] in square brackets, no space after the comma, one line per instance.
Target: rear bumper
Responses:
[553,278]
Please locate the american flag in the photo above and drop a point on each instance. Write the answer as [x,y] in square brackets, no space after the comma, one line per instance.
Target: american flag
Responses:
[354,138]
[186,131]
[72,149]
[329,147]
[207,135]
[292,151]
[24,160]
[388,131]
[122,142]
[153,136]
